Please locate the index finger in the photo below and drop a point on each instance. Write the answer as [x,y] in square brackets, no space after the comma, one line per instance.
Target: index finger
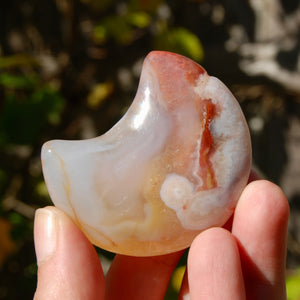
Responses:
[260,227]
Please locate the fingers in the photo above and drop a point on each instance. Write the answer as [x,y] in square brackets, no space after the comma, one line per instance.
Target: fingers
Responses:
[252,177]
[140,277]
[260,227]
[68,265]
[214,270]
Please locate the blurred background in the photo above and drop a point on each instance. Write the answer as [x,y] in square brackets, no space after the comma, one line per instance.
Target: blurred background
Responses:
[69,69]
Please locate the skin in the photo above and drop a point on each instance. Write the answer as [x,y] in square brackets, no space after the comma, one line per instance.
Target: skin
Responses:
[243,260]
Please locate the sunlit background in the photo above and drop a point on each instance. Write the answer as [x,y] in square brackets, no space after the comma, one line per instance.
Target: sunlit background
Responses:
[69,69]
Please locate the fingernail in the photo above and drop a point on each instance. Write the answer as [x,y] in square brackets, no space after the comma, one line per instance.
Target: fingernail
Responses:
[45,234]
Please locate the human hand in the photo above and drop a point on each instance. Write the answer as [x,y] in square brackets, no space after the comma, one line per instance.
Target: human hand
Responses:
[245,260]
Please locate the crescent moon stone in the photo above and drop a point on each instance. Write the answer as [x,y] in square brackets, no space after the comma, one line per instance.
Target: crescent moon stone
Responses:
[173,166]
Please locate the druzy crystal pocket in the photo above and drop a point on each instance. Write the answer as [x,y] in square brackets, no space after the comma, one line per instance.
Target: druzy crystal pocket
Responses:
[174,165]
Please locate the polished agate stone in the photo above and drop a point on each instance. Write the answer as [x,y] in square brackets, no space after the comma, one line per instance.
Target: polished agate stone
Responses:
[174,165]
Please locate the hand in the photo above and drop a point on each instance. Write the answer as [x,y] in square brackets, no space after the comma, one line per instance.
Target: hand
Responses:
[245,260]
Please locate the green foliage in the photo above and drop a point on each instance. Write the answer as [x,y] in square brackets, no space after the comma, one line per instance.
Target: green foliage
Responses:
[182,41]
[89,43]
[140,18]
[121,28]
[293,286]
[17,60]
[28,106]
[10,81]
[21,227]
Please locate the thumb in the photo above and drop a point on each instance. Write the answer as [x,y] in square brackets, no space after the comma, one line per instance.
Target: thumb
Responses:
[68,265]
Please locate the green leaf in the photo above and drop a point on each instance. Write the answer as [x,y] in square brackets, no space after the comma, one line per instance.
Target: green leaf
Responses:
[16,219]
[17,81]
[27,107]
[121,28]
[115,27]
[99,93]
[177,277]
[21,227]
[17,60]
[139,19]
[41,191]
[100,34]
[293,286]
[182,41]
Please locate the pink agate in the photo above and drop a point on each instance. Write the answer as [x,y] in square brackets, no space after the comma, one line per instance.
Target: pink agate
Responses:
[174,165]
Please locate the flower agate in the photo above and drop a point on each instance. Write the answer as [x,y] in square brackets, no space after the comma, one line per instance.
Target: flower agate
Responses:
[174,165]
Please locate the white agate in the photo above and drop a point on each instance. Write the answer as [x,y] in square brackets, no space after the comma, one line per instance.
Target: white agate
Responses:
[151,183]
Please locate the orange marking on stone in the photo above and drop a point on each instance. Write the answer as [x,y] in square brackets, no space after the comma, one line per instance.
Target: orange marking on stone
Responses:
[206,171]
[176,77]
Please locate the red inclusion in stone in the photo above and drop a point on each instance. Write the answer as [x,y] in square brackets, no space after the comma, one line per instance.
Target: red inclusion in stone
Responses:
[206,171]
